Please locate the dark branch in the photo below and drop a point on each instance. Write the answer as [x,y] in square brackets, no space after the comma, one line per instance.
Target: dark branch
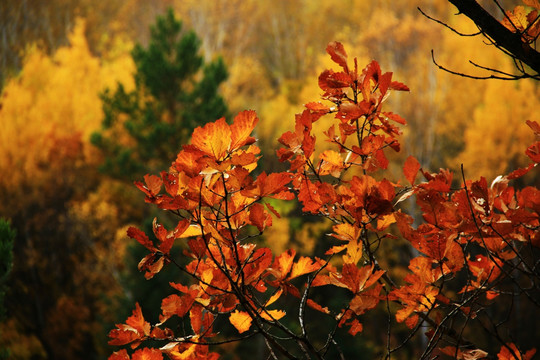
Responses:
[509,77]
[501,35]
[446,25]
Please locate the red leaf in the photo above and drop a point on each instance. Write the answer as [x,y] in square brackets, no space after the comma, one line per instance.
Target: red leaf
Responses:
[395,85]
[333,82]
[356,327]
[533,152]
[136,320]
[519,172]
[312,304]
[410,169]
[272,185]
[534,126]
[395,117]
[274,211]
[338,54]
[317,107]
[141,237]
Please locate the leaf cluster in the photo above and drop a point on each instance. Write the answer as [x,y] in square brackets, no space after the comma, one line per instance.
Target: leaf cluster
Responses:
[474,245]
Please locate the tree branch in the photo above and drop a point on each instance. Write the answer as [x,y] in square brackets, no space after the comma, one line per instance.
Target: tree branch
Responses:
[501,35]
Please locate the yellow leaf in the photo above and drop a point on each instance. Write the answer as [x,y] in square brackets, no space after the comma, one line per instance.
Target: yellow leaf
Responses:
[354,252]
[192,230]
[240,320]
[274,297]
[304,265]
[384,221]
[272,315]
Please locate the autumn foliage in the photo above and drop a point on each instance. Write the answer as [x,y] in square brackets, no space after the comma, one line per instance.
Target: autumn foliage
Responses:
[475,245]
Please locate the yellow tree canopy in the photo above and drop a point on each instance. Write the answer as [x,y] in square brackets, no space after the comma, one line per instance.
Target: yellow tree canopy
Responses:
[49,110]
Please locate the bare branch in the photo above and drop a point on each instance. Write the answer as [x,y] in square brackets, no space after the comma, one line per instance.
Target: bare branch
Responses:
[448,26]
[509,77]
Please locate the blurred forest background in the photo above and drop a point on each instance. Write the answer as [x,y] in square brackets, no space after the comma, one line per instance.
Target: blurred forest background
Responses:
[70,69]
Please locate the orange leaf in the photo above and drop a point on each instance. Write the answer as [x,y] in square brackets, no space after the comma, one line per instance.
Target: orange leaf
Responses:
[511,352]
[147,354]
[346,232]
[356,279]
[123,336]
[317,107]
[136,320]
[188,161]
[152,264]
[356,327]
[304,265]
[213,139]
[274,297]
[312,304]
[272,315]
[135,329]
[178,231]
[241,129]
[240,320]
[283,263]
[152,187]
[119,355]
[331,163]
[259,217]
[366,300]
[410,169]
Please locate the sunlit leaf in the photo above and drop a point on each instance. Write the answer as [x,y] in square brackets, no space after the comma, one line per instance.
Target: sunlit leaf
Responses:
[240,320]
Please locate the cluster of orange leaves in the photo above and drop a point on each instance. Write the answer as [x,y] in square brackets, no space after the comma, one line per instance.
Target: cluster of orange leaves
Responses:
[222,206]
[524,21]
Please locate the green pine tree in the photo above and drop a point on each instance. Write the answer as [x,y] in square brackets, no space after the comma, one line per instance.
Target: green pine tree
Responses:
[175,91]
[143,130]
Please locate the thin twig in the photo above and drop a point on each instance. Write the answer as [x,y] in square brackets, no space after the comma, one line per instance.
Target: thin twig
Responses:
[447,26]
